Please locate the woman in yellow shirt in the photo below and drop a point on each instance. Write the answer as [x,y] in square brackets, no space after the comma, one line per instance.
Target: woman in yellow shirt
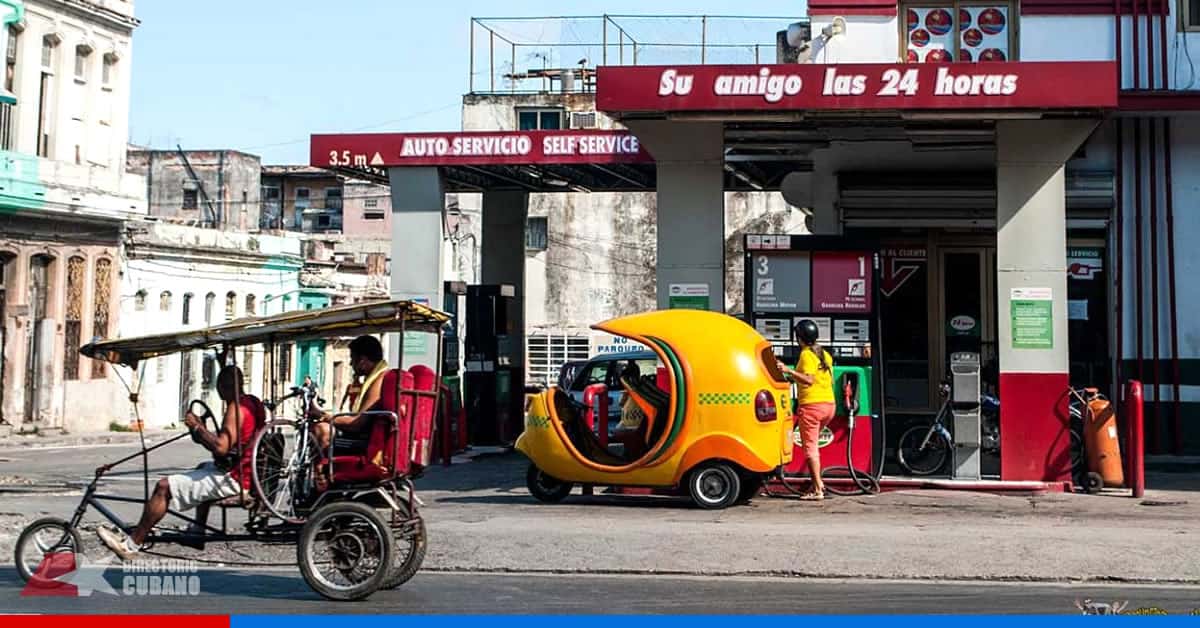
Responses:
[814,399]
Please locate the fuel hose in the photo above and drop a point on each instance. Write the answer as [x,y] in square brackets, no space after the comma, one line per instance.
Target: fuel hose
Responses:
[863,482]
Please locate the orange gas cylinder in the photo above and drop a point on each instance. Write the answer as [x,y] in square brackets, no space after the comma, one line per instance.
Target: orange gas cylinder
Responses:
[1100,440]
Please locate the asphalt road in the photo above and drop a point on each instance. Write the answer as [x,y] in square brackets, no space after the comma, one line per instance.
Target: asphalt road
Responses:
[262,591]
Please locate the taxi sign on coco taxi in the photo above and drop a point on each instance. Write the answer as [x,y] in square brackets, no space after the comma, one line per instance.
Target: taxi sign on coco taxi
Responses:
[711,423]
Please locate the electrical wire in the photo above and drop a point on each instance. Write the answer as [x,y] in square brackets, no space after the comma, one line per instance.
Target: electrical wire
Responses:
[359,129]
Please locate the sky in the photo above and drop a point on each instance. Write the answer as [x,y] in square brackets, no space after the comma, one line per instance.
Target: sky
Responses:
[262,75]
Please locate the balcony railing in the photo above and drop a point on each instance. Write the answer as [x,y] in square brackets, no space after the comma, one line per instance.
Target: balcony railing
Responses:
[560,54]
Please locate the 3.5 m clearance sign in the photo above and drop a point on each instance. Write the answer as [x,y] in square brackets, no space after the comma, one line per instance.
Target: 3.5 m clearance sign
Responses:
[1019,85]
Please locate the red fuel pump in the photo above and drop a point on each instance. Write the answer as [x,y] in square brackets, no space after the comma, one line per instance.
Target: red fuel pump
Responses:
[847,449]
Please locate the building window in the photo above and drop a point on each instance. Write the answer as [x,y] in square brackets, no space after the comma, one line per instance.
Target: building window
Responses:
[191,198]
[108,73]
[535,233]
[10,83]
[1189,15]
[371,203]
[73,322]
[230,306]
[209,299]
[251,305]
[539,119]
[10,56]
[160,370]
[164,301]
[139,301]
[302,196]
[333,199]
[49,44]
[83,54]
[967,32]
[208,372]
[372,215]
[546,353]
[187,308]
[102,294]
[285,362]
[46,95]
[247,367]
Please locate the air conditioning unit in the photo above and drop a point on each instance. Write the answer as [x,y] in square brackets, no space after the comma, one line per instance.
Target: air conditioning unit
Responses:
[583,119]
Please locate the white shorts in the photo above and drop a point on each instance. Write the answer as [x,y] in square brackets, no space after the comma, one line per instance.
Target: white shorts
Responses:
[204,484]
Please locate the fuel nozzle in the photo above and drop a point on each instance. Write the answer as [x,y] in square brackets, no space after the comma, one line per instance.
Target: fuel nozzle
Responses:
[850,396]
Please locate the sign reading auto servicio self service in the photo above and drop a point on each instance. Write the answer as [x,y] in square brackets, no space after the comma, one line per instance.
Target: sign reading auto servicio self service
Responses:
[381,150]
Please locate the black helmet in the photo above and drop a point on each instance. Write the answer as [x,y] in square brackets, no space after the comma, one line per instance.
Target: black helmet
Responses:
[806,331]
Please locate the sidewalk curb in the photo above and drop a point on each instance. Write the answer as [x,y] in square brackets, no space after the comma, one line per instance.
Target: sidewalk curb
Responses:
[33,441]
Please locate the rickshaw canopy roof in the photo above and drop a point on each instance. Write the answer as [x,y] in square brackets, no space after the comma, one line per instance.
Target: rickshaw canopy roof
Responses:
[333,322]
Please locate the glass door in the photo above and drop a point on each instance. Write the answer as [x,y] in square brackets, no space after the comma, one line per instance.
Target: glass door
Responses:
[967,310]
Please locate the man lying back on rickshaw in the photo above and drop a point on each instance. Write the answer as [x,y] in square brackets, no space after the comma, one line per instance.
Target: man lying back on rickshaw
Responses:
[351,433]
[199,488]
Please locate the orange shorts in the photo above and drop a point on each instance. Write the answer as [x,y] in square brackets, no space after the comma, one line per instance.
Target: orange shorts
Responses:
[811,418]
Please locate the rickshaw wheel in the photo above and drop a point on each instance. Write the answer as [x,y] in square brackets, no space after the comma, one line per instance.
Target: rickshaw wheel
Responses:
[406,564]
[714,485]
[545,488]
[361,551]
[67,540]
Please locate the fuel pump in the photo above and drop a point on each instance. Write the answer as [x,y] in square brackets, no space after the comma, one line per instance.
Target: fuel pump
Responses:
[452,362]
[494,378]
[833,281]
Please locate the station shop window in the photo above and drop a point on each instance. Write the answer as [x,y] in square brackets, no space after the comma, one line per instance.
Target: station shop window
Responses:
[965,32]
[539,119]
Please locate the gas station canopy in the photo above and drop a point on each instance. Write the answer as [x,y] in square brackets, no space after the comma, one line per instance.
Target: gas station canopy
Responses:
[774,117]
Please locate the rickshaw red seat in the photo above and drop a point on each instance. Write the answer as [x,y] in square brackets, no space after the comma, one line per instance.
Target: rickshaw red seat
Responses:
[383,458]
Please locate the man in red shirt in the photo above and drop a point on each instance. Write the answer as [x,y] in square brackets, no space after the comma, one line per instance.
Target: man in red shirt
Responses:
[200,487]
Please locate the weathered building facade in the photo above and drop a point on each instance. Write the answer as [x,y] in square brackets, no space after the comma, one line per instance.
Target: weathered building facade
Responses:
[179,277]
[212,188]
[64,194]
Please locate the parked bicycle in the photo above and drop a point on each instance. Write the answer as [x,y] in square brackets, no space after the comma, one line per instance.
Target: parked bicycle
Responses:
[925,449]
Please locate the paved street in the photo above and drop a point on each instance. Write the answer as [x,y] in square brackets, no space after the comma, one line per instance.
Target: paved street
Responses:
[481,519]
[285,592]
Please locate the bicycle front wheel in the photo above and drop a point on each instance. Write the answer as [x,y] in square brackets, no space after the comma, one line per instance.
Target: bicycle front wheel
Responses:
[281,472]
[919,455]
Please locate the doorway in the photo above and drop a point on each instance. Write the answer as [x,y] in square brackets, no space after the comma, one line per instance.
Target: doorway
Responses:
[39,335]
[966,310]
[4,272]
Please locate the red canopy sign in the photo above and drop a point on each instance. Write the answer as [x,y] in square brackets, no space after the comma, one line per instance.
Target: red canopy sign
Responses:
[1011,85]
[382,150]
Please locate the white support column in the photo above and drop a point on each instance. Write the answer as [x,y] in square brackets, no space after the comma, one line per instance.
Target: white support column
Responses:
[416,266]
[1031,283]
[691,208]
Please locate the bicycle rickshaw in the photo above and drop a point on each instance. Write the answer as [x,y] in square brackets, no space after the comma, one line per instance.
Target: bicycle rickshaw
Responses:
[366,519]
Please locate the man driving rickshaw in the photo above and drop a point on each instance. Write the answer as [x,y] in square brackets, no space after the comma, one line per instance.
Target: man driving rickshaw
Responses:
[227,475]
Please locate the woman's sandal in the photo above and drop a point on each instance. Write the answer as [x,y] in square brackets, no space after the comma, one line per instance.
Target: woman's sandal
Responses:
[812,497]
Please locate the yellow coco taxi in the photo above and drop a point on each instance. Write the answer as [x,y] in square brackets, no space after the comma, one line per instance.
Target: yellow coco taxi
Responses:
[713,420]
